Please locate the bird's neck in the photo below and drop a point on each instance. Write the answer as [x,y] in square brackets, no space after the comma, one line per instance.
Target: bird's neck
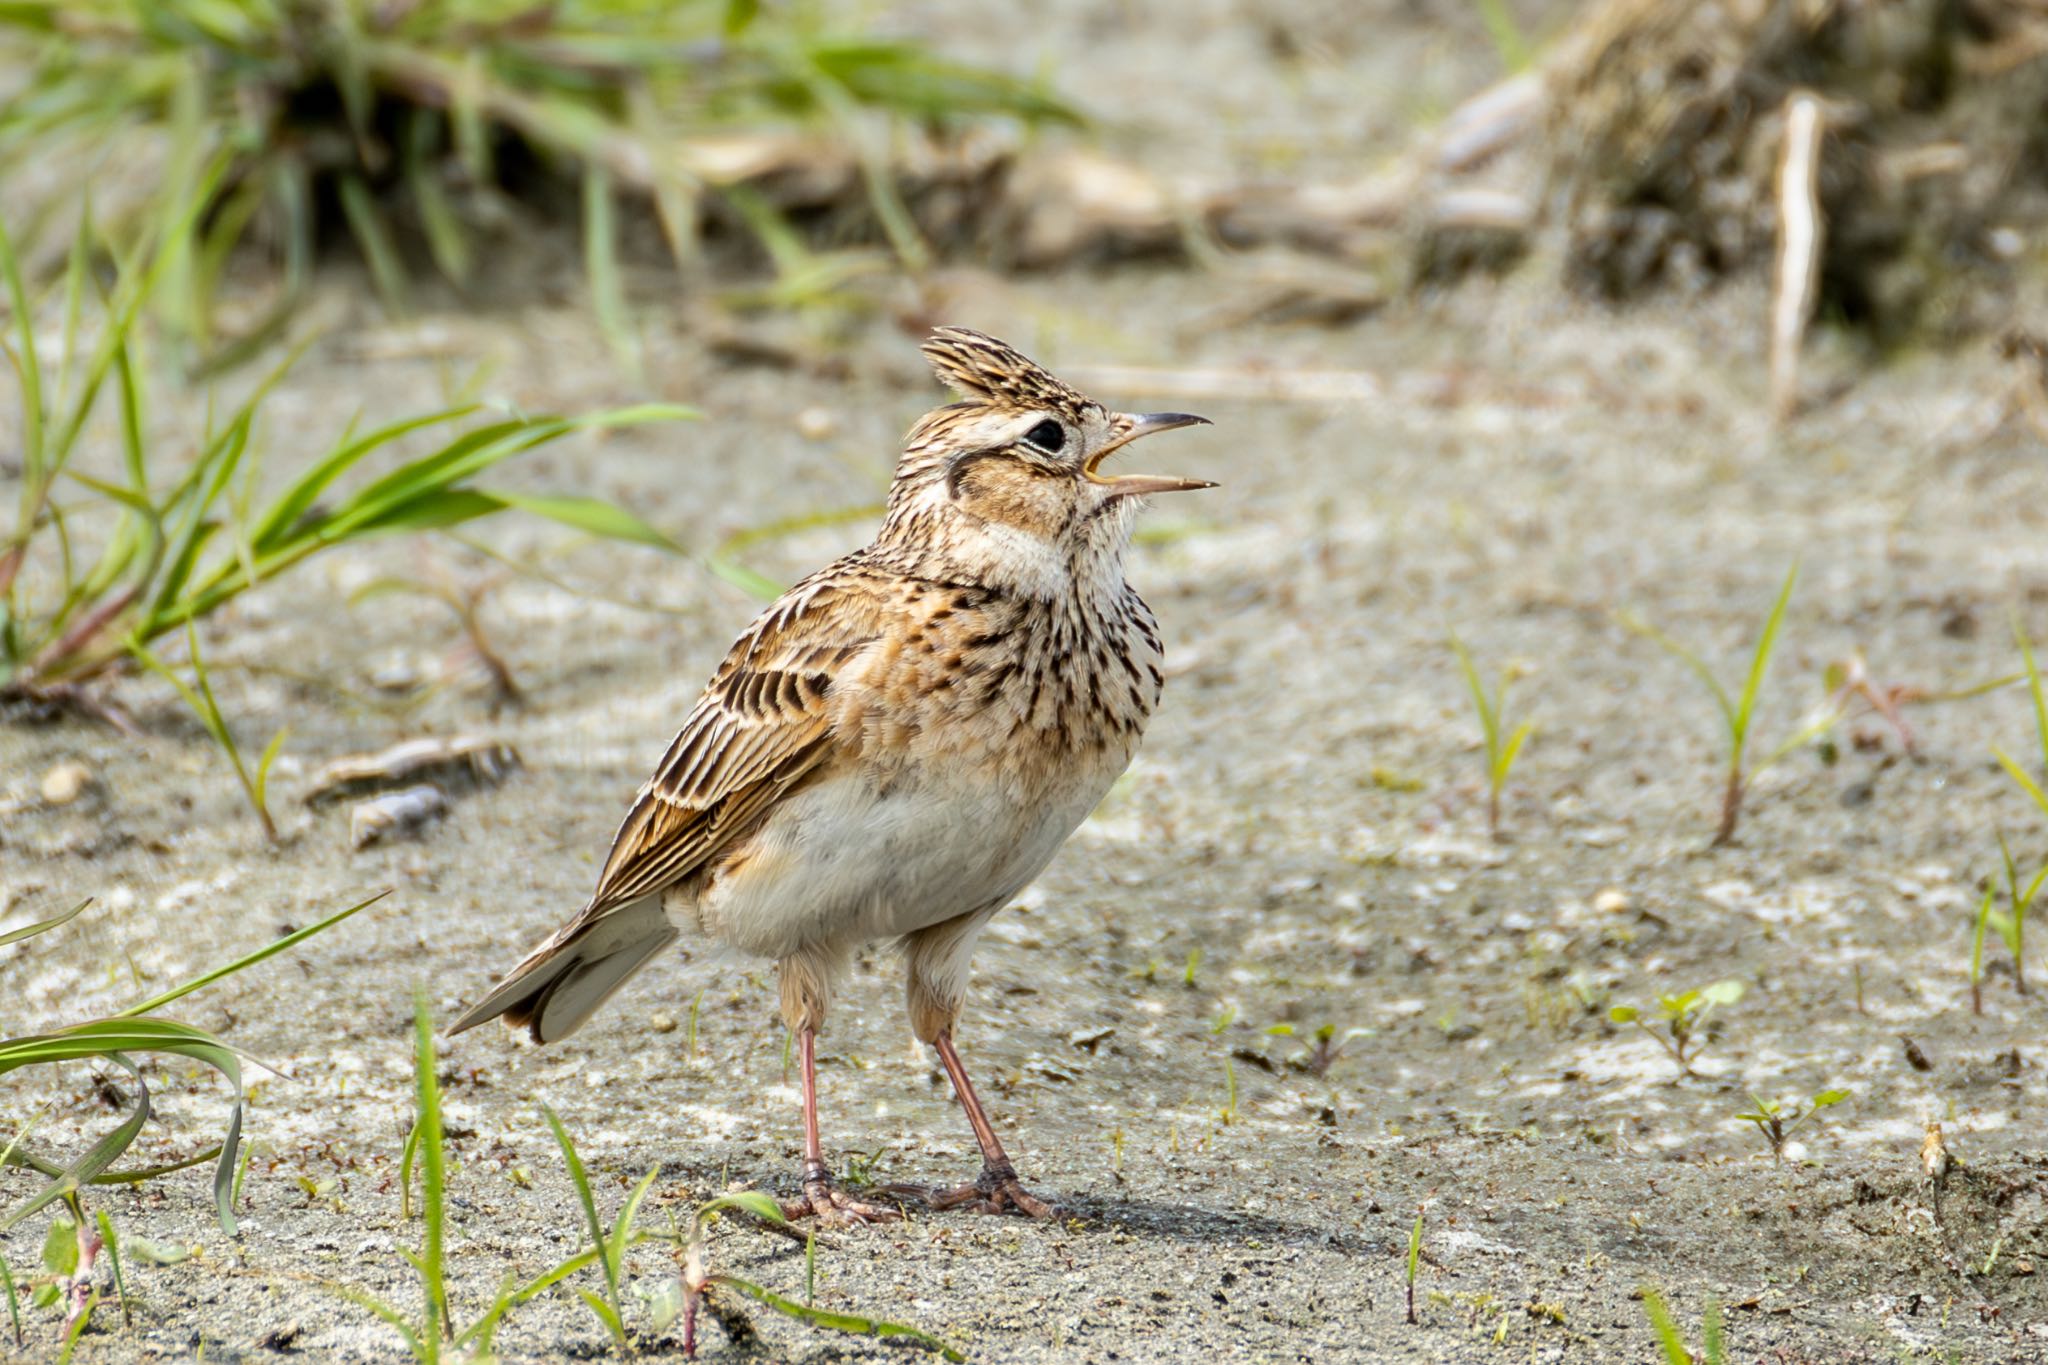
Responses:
[1081,572]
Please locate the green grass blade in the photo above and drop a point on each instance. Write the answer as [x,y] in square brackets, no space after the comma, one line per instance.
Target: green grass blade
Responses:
[594,515]
[839,1322]
[622,1230]
[112,1244]
[2034,689]
[433,1173]
[97,1157]
[447,241]
[373,238]
[35,475]
[1761,661]
[1977,937]
[480,1331]
[224,1170]
[298,500]
[201,702]
[2025,779]
[760,1205]
[581,1180]
[268,950]
[1489,721]
[1667,1331]
[16,1155]
[605,1315]
[1511,749]
[1710,1333]
[1693,662]
[13,1299]
[43,926]
[269,756]
[405,1167]
[601,265]
[421,1351]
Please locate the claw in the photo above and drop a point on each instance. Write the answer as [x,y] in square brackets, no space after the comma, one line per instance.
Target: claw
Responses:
[834,1207]
[997,1190]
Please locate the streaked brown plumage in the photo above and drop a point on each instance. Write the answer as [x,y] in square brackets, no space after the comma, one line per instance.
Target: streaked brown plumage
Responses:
[901,742]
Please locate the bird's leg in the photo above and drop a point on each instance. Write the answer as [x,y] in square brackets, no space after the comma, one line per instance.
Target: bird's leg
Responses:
[997,1191]
[831,1205]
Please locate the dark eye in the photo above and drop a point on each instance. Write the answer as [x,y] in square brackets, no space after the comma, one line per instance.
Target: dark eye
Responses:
[1048,436]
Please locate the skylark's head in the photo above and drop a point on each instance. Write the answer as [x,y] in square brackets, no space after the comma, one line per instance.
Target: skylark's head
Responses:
[1017,463]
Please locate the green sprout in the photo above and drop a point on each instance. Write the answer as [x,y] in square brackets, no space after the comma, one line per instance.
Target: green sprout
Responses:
[1414,1257]
[1502,746]
[1981,921]
[2011,922]
[1777,1127]
[1737,713]
[1712,1350]
[1683,1016]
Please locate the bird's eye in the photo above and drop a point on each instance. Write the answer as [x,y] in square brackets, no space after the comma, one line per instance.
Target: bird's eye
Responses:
[1048,436]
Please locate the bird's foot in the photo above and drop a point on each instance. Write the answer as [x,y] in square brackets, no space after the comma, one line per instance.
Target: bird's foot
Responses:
[832,1206]
[996,1191]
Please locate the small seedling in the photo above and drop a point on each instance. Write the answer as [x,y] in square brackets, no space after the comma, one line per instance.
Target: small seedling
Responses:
[1414,1257]
[1777,1126]
[611,1247]
[1982,921]
[1502,747]
[1325,1049]
[2011,922]
[1737,713]
[1712,1351]
[700,1287]
[1228,1114]
[1683,1016]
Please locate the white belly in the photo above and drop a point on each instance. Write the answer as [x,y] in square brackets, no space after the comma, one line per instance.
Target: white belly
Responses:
[839,865]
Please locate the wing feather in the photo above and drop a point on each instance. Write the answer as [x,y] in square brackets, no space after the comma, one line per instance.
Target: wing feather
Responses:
[762,726]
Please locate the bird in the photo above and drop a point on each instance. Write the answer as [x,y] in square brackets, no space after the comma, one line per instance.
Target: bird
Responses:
[898,745]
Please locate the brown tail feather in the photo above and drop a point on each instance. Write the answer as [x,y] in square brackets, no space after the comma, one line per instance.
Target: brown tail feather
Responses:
[564,981]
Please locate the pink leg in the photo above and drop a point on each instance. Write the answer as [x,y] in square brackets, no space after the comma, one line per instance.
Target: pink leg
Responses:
[997,1191]
[830,1204]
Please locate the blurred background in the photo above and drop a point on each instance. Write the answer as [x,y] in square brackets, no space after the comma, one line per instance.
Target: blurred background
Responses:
[1598,799]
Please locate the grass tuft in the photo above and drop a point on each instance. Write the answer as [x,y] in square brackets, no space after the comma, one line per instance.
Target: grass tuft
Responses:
[109,1041]
[236,124]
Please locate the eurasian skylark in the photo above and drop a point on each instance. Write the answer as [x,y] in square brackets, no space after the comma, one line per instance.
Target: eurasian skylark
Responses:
[897,746]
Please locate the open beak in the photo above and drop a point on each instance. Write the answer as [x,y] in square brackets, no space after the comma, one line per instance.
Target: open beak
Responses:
[1139,485]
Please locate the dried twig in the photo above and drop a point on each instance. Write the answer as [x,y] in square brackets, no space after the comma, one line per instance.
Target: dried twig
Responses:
[1800,234]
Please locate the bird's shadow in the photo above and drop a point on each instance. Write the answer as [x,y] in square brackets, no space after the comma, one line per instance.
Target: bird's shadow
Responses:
[1153,1219]
[1188,1222]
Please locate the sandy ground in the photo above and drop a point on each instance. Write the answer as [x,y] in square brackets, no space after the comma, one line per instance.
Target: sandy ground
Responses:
[1308,816]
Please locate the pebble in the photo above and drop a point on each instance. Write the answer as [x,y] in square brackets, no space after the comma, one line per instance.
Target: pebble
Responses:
[1612,901]
[816,424]
[66,782]
[394,813]
[661,1021]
